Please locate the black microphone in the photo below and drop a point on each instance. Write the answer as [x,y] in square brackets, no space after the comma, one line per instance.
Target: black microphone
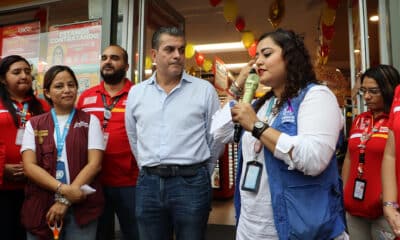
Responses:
[250,88]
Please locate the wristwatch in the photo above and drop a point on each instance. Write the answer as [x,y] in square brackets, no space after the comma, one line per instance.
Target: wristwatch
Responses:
[259,128]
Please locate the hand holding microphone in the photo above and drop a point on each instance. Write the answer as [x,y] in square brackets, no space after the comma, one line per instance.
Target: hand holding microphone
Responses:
[250,88]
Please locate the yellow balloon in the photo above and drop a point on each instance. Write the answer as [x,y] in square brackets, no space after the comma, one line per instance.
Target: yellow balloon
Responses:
[247,39]
[148,63]
[207,65]
[328,16]
[230,10]
[189,50]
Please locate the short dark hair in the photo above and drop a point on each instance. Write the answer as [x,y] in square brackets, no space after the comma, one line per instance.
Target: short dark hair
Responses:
[51,74]
[387,77]
[124,52]
[173,31]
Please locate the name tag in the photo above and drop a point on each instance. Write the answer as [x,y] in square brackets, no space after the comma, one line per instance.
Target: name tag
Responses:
[252,177]
[20,135]
[359,189]
[89,100]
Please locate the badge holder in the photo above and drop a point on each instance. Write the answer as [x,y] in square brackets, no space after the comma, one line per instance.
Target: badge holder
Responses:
[252,177]
[19,137]
[359,189]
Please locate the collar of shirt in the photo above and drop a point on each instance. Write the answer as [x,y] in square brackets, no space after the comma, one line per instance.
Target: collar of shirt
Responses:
[185,77]
[382,115]
[19,104]
[124,90]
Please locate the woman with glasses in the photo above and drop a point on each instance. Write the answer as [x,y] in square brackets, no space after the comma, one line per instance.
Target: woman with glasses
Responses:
[361,171]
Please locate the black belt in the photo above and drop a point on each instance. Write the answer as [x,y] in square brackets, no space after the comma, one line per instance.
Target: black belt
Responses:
[173,170]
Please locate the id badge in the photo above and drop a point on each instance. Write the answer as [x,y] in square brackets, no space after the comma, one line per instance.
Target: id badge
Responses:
[359,189]
[106,135]
[20,135]
[252,177]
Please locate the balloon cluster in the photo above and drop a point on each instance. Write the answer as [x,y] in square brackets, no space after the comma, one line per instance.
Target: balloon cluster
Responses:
[327,30]
[200,59]
[231,15]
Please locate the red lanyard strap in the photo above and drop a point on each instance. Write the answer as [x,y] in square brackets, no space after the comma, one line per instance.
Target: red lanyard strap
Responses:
[366,135]
[108,109]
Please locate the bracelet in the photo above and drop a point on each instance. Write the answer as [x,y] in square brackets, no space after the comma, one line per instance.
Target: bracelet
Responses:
[58,189]
[235,91]
[61,199]
[230,93]
[237,86]
[394,205]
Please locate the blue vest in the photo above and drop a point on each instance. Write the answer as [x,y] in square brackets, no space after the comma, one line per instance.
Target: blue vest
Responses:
[304,207]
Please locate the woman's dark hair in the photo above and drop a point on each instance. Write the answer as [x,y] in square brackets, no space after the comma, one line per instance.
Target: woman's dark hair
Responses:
[387,78]
[34,105]
[299,69]
[51,74]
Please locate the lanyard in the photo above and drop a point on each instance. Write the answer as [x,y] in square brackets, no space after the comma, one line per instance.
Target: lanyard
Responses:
[268,115]
[366,135]
[108,109]
[61,139]
[22,113]
[270,112]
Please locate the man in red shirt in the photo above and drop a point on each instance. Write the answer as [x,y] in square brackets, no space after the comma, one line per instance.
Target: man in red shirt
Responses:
[119,170]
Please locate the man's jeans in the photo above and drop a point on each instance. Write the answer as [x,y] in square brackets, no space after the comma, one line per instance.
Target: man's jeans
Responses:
[120,201]
[179,203]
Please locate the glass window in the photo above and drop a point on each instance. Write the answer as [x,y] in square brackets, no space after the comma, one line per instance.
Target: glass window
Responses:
[62,32]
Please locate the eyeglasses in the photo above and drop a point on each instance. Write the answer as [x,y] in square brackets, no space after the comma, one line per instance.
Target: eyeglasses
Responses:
[372,91]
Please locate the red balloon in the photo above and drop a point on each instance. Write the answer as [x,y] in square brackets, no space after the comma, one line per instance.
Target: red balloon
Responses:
[252,50]
[199,57]
[334,4]
[328,31]
[240,24]
[214,3]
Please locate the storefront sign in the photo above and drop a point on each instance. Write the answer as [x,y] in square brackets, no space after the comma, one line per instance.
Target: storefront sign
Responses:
[21,39]
[77,45]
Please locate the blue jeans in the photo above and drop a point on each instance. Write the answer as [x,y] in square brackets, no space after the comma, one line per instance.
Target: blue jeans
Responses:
[179,203]
[72,231]
[119,200]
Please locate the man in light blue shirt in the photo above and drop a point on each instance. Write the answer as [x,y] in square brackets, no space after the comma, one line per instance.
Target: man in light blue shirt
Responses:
[168,119]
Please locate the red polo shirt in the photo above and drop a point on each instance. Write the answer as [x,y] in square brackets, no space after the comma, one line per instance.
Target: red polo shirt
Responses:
[8,132]
[371,206]
[394,125]
[119,165]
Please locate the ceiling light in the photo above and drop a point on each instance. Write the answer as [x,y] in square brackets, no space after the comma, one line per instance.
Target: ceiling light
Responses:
[374,18]
[220,47]
[231,66]
[356,50]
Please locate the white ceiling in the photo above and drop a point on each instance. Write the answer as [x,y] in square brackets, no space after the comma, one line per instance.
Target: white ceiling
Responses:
[206,24]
